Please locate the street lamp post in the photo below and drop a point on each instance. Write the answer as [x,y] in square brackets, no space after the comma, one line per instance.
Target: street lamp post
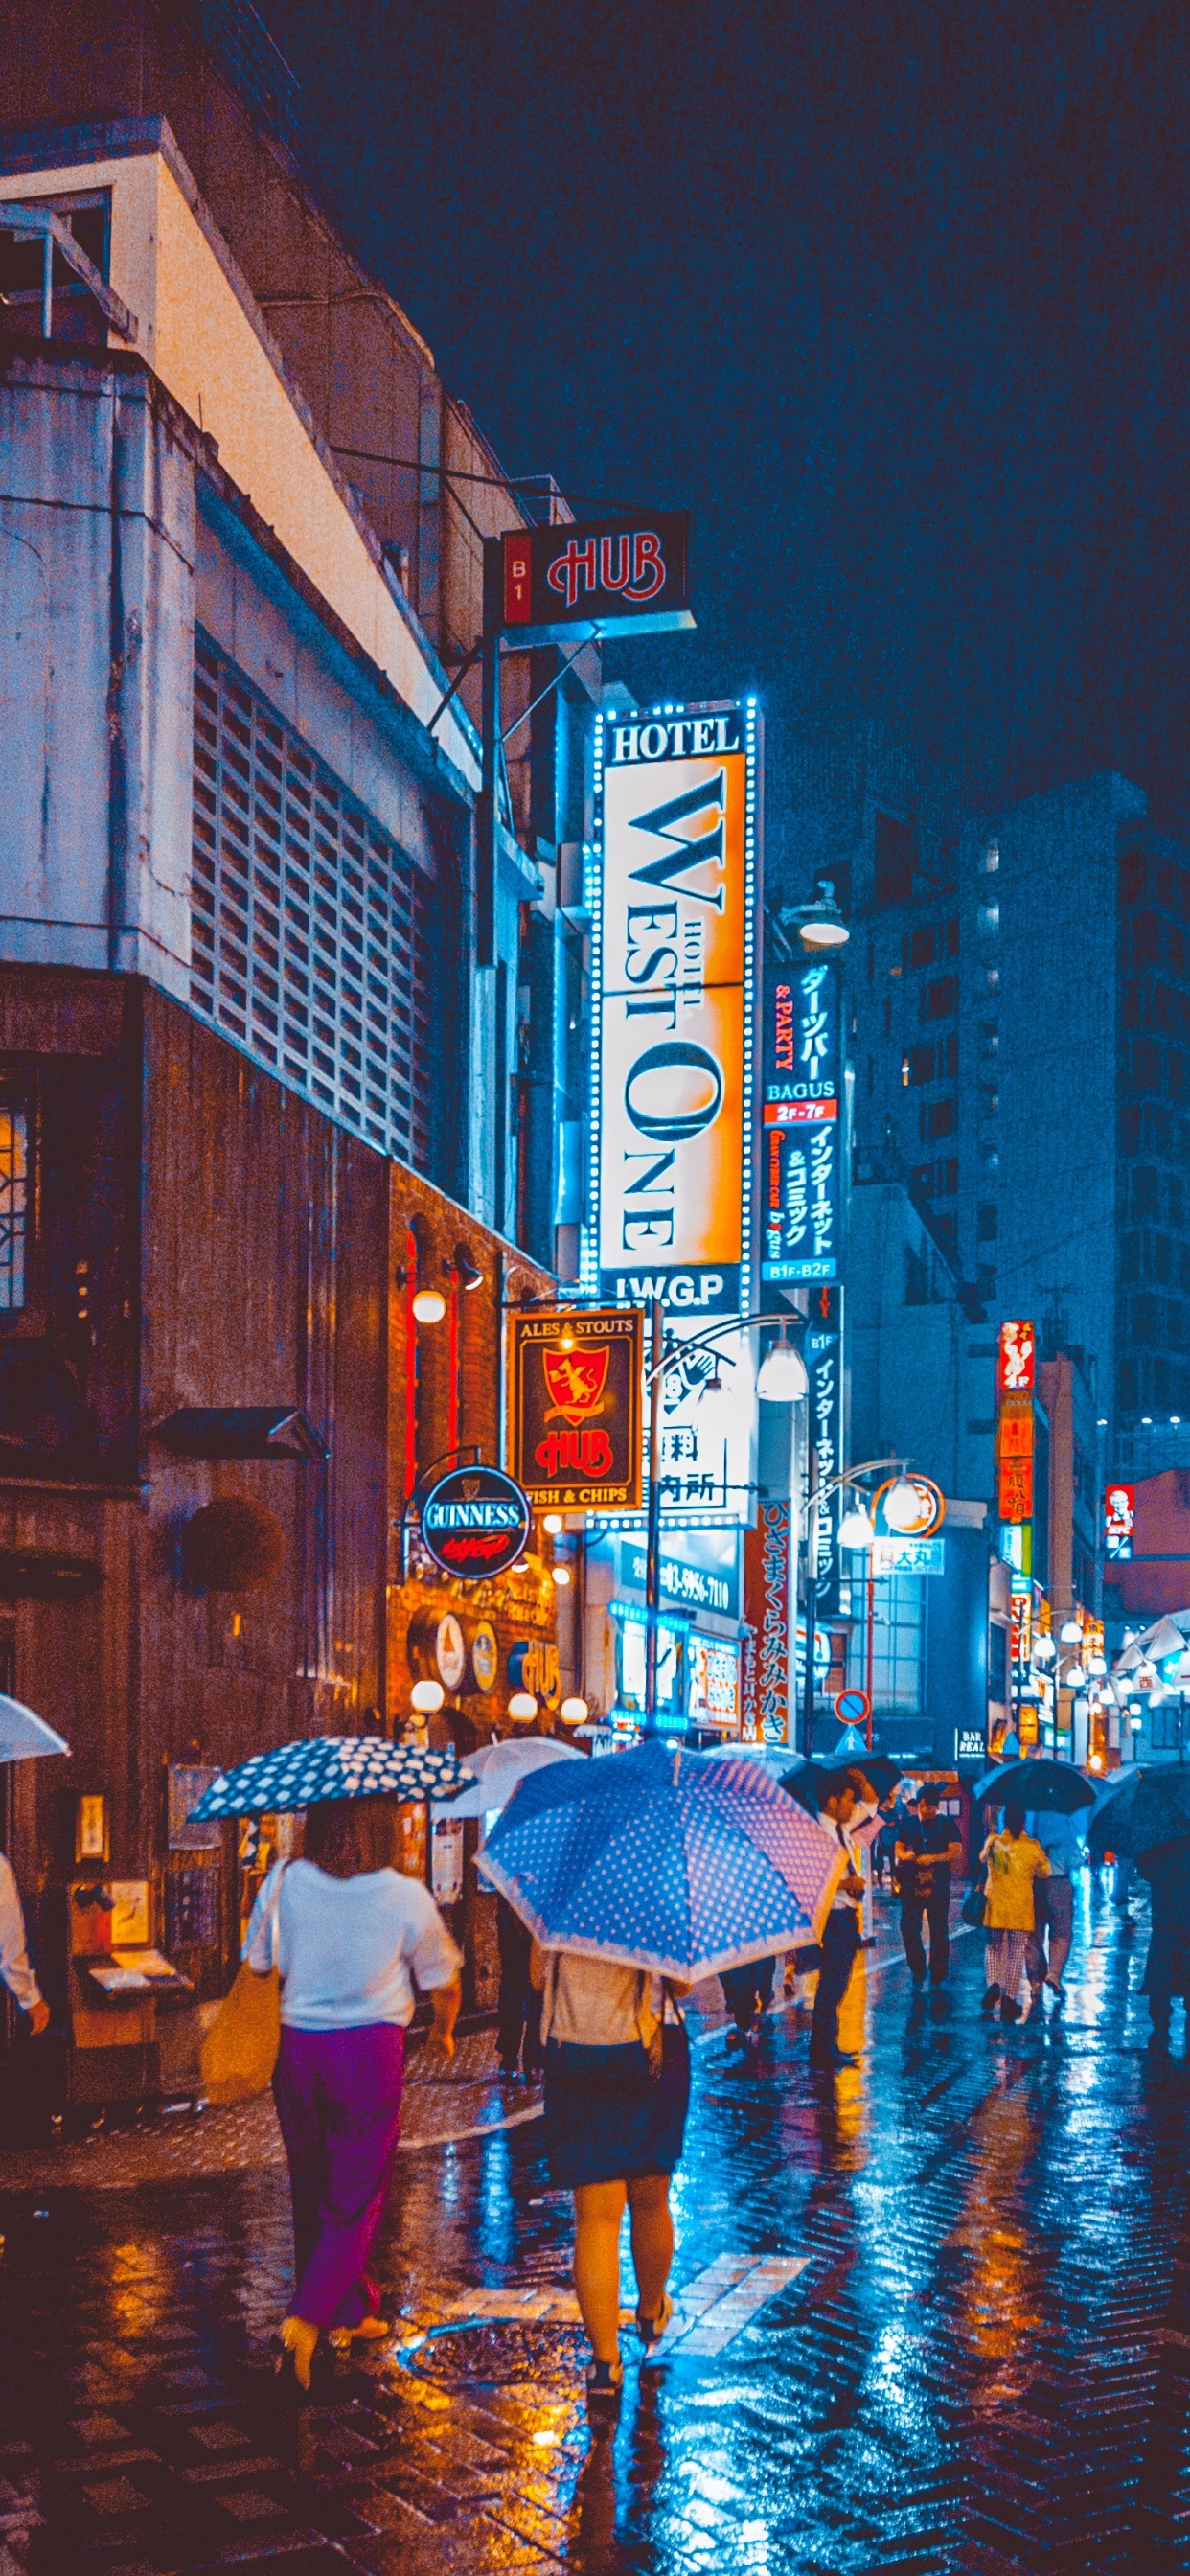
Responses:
[846,1482]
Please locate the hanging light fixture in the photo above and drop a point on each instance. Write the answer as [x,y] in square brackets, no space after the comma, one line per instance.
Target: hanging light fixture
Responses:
[427,1697]
[903,1505]
[1044,1650]
[574,1712]
[855,1529]
[522,1708]
[782,1377]
[1071,1633]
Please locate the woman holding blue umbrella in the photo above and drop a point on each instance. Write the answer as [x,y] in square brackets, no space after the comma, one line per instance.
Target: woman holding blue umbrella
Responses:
[637,1877]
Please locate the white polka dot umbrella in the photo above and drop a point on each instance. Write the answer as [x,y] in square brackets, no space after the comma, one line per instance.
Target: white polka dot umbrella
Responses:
[311,1772]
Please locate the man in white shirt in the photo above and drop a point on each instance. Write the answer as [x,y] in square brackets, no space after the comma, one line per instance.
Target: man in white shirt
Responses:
[14,1958]
[845,1791]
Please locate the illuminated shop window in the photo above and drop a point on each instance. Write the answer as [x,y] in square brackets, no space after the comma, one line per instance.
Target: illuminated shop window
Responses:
[14,1205]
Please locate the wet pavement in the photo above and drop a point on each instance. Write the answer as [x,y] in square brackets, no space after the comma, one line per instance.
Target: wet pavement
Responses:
[934,2317]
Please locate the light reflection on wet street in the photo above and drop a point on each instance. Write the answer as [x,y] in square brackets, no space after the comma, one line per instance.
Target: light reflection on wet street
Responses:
[933,2319]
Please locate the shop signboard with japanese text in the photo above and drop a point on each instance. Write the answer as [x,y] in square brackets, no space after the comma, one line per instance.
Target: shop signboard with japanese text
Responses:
[802,1122]
[824,1365]
[672,971]
[575,1408]
[1016,1350]
[1015,1436]
[768,1590]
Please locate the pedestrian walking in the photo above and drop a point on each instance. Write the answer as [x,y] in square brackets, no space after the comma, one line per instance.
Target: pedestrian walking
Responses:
[14,1956]
[884,1849]
[638,1878]
[617,2089]
[927,1850]
[1053,1900]
[351,1938]
[841,1931]
[1167,1968]
[747,1993]
[1014,1864]
[518,2007]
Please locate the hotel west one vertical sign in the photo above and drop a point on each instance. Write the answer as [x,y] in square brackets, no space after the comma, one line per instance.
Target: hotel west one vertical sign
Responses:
[673,1097]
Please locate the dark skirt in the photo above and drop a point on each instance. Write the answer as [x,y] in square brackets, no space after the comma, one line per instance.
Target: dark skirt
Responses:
[606,2120]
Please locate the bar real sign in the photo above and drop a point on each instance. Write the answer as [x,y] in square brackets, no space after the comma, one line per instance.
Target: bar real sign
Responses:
[626,576]
[673,968]
[802,1078]
[575,1408]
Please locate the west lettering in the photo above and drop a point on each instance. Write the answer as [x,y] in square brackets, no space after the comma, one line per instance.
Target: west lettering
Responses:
[706,850]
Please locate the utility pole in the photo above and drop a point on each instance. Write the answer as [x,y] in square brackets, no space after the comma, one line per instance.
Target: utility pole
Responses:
[488,818]
[653,1562]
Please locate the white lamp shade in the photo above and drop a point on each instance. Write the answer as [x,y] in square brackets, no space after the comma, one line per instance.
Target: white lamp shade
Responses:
[426,1697]
[855,1529]
[429,1305]
[1044,1651]
[574,1712]
[823,932]
[1071,1633]
[561,1575]
[1097,1664]
[522,1708]
[553,1523]
[903,1505]
[782,1378]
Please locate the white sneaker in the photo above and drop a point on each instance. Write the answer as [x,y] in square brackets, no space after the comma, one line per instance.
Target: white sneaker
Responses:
[1027,2006]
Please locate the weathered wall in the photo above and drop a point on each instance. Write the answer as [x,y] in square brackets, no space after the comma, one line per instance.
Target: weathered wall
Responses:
[96,664]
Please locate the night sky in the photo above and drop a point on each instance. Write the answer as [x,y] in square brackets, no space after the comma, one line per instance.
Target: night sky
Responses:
[893,297]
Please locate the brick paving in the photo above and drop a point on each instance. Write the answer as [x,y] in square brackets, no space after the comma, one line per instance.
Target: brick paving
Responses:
[961,2275]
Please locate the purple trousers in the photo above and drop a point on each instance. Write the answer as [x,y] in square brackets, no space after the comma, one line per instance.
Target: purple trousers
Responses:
[338,2097]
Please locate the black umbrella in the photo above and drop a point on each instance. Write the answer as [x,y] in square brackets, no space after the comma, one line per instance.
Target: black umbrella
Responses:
[1055,1786]
[811,1782]
[1152,1807]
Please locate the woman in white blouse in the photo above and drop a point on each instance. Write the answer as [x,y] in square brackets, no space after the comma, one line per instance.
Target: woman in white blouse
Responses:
[617,2089]
[351,1937]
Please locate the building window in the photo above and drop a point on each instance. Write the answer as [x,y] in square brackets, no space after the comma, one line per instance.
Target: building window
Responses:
[921,1064]
[14,1204]
[938,1118]
[315,943]
[948,1178]
[894,860]
[987,1221]
[991,858]
[940,1000]
[922,947]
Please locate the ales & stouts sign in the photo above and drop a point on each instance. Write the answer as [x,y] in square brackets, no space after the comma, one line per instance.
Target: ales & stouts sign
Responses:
[576,1408]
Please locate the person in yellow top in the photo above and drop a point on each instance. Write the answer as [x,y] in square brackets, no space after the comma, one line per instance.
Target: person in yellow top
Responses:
[1014,1862]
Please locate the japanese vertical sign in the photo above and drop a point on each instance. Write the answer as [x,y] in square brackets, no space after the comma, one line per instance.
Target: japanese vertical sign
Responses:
[824,1363]
[802,1150]
[1016,1365]
[767,1601]
[1119,1515]
[1015,1360]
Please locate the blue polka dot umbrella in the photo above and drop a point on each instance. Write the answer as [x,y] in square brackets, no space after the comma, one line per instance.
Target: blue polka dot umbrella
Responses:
[679,1862]
[309,1773]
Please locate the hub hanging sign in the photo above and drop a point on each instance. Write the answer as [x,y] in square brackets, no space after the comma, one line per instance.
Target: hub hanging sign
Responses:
[802,1075]
[673,1007]
[624,576]
[575,1409]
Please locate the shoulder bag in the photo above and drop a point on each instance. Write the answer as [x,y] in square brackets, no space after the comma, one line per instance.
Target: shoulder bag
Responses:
[240,2049]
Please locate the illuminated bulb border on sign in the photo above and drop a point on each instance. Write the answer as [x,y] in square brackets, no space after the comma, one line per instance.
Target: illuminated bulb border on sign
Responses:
[590,1283]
